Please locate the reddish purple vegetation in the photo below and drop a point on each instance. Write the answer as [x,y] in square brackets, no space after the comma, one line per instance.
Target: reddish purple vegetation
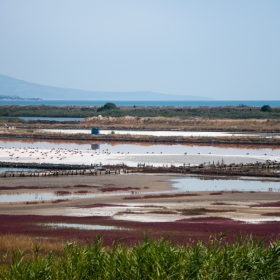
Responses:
[161,195]
[181,231]
[221,203]
[59,200]
[61,193]
[162,212]
[213,220]
[84,186]
[216,193]
[32,202]
[81,192]
[111,189]
[150,206]
[99,205]
[269,204]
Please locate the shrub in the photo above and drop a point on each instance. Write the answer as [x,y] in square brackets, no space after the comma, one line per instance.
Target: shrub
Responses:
[107,106]
[266,108]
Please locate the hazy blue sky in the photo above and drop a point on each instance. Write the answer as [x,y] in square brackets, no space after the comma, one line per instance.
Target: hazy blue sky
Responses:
[228,49]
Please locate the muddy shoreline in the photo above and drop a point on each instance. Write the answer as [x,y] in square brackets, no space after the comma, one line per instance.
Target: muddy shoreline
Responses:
[150,139]
[184,217]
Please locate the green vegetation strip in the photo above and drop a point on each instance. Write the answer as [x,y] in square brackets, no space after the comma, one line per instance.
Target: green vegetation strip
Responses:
[150,259]
[110,109]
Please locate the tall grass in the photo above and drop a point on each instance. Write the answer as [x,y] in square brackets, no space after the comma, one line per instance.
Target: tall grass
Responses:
[150,259]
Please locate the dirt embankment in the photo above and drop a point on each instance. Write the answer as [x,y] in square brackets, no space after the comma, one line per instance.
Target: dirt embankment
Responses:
[163,123]
[192,123]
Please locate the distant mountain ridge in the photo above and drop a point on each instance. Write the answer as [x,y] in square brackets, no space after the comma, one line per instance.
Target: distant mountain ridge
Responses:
[23,89]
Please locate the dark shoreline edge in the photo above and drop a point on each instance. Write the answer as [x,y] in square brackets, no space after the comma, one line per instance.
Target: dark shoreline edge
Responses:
[150,139]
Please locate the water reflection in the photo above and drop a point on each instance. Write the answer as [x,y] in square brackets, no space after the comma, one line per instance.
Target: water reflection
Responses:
[186,184]
[136,148]
[79,226]
[40,197]
[196,184]
[15,169]
[50,119]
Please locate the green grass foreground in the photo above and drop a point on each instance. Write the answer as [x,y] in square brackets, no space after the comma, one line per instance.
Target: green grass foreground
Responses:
[150,259]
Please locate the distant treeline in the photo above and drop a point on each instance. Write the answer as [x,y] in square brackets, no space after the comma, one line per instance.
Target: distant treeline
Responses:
[232,112]
[15,97]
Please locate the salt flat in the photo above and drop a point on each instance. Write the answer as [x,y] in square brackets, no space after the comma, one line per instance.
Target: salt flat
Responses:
[77,156]
[151,133]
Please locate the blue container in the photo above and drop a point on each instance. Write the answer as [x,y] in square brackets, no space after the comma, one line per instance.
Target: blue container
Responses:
[95,130]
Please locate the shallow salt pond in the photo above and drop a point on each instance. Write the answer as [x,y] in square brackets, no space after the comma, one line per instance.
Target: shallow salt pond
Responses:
[136,148]
[14,169]
[197,184]
[40,197]
[51,119]
[81,226]
[131,153]
[186,184]
[148,132]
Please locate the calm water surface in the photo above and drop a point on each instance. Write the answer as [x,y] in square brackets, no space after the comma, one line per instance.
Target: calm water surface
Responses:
[80,226]
[51,119]
[144,149]
[194,184]
[186,184]
[5,169]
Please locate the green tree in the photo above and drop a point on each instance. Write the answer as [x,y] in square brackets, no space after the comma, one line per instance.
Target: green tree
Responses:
[266,108]
[107,106]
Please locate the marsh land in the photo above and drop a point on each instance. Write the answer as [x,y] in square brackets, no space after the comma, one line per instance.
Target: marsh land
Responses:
[66,207]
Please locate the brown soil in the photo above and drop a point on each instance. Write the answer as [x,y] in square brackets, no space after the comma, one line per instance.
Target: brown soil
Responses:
[164,123]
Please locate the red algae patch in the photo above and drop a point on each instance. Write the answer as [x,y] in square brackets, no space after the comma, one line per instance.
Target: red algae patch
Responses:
[61,193]
[180,231]
[269,204]
[59,200]
[212,220]
[84,186]
[32,202]
[81,192]
[151,206]
[164,212]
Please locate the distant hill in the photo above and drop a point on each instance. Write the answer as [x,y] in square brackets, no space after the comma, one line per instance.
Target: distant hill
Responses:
[23,89]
